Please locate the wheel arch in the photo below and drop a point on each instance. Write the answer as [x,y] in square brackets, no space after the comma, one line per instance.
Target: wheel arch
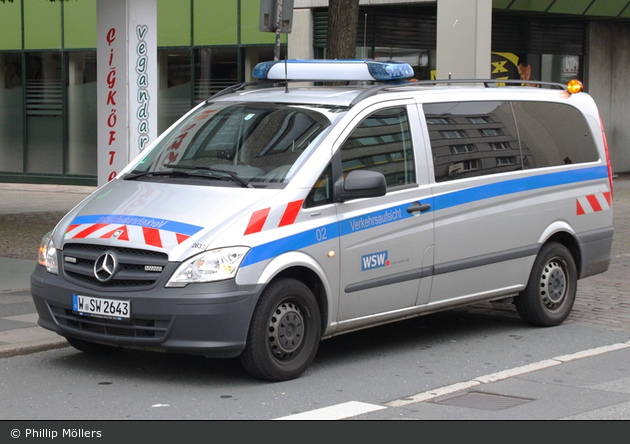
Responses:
[570,241]
[309,278]
[304,268]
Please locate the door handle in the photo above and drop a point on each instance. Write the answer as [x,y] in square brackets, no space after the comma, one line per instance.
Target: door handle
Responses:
[417,206]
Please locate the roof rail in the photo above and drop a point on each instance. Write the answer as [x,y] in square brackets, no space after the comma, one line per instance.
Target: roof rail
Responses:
[488,83]
[265,82]
[237,87]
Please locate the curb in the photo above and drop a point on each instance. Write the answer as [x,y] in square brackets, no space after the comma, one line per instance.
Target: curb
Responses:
[27,348]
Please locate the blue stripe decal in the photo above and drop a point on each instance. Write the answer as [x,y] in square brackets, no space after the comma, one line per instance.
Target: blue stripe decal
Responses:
[302,240]
[140,221]
[517,185]
[291,243]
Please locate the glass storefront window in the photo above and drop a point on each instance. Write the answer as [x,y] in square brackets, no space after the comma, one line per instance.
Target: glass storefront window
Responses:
[82,112]
[11,110]
[174,87]
[560,68]
[44,106]
[215,69]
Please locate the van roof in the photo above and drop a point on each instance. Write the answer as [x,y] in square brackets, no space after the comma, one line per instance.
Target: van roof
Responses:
[293,81]
[298,92]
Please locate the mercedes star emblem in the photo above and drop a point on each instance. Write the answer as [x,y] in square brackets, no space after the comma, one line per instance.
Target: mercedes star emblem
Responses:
[105,267]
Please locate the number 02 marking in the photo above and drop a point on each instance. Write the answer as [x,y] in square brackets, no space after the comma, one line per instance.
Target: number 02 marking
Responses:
[320,234]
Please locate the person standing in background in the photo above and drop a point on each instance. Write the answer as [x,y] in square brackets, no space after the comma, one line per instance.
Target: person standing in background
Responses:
[525,70]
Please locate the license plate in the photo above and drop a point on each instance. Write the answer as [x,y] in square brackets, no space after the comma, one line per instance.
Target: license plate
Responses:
[101,307]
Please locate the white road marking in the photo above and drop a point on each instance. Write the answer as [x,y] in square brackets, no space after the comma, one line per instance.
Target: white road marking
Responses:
[493,377]
[334,412]
[355,408]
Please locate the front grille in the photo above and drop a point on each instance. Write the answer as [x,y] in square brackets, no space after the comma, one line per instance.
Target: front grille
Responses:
[78,265]
[132,328]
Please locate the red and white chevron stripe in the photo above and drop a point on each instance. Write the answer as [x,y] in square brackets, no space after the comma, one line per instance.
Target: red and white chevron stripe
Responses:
[269,218]
[131,233]
[593,203]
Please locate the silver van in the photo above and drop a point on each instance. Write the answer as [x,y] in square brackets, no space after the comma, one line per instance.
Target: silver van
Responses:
[277,214]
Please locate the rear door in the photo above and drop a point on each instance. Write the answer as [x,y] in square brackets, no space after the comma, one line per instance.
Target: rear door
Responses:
[508,174]
[384,239]
[482,219]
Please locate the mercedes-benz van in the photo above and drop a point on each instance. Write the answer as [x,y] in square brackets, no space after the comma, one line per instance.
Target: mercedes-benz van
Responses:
[275,215]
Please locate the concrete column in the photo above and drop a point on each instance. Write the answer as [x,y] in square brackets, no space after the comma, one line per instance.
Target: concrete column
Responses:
[464,37]
[606,79]
[126,82]
[300,39]
[252,58]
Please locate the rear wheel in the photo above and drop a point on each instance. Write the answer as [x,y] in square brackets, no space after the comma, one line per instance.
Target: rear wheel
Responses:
[284,333]
[550,293]
[90,347]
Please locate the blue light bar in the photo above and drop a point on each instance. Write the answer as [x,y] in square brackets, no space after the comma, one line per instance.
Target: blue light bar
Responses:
[333,70]
[390,70]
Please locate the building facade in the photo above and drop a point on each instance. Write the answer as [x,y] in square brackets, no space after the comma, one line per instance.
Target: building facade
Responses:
[48,92]
[48,62]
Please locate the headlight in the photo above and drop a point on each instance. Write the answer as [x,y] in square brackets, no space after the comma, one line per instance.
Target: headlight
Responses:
[214,265]
[47,255]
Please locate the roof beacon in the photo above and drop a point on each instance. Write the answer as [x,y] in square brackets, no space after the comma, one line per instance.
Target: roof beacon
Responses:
[575,86]
[369,70]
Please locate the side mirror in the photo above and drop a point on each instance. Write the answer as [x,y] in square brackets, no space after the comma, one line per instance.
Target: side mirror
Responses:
[362,183]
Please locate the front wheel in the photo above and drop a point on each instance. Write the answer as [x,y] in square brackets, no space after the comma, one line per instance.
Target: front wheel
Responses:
[550,293]
[284,333]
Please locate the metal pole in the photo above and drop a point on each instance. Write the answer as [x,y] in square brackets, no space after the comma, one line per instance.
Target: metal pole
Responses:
[276,53]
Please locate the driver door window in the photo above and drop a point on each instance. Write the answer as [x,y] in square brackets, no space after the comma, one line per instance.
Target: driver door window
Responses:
[382,142]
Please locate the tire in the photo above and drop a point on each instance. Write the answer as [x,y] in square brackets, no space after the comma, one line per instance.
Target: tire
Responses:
[550,293]
[284,332]
[90,347]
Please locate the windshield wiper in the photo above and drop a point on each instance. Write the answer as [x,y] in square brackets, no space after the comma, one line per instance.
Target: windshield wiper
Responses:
[234,176]
[172,172]
[130,176]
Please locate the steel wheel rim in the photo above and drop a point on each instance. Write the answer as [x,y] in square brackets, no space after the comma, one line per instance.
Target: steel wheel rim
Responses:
[286,330]
[553,284]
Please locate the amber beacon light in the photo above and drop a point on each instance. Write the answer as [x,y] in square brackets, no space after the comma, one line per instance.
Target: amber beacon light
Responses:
[574,86]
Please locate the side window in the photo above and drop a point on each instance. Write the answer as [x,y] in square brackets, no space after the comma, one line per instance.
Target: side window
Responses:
[322,191]
[382,142]
[472,139]
[554,133]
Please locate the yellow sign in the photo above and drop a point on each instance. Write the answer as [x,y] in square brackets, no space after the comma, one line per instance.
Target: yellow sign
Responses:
[504,65]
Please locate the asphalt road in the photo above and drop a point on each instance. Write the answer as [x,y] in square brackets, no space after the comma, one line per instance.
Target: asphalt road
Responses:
[479,362]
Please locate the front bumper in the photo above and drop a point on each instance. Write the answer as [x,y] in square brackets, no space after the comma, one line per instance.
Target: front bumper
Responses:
[203,319]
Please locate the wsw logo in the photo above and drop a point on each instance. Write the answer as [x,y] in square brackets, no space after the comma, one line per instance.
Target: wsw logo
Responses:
[374,260]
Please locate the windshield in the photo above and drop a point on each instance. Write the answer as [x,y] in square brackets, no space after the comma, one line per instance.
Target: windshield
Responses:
[246,144]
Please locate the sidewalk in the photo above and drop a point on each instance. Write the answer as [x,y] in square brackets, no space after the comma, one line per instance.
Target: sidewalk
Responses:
[19,332]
